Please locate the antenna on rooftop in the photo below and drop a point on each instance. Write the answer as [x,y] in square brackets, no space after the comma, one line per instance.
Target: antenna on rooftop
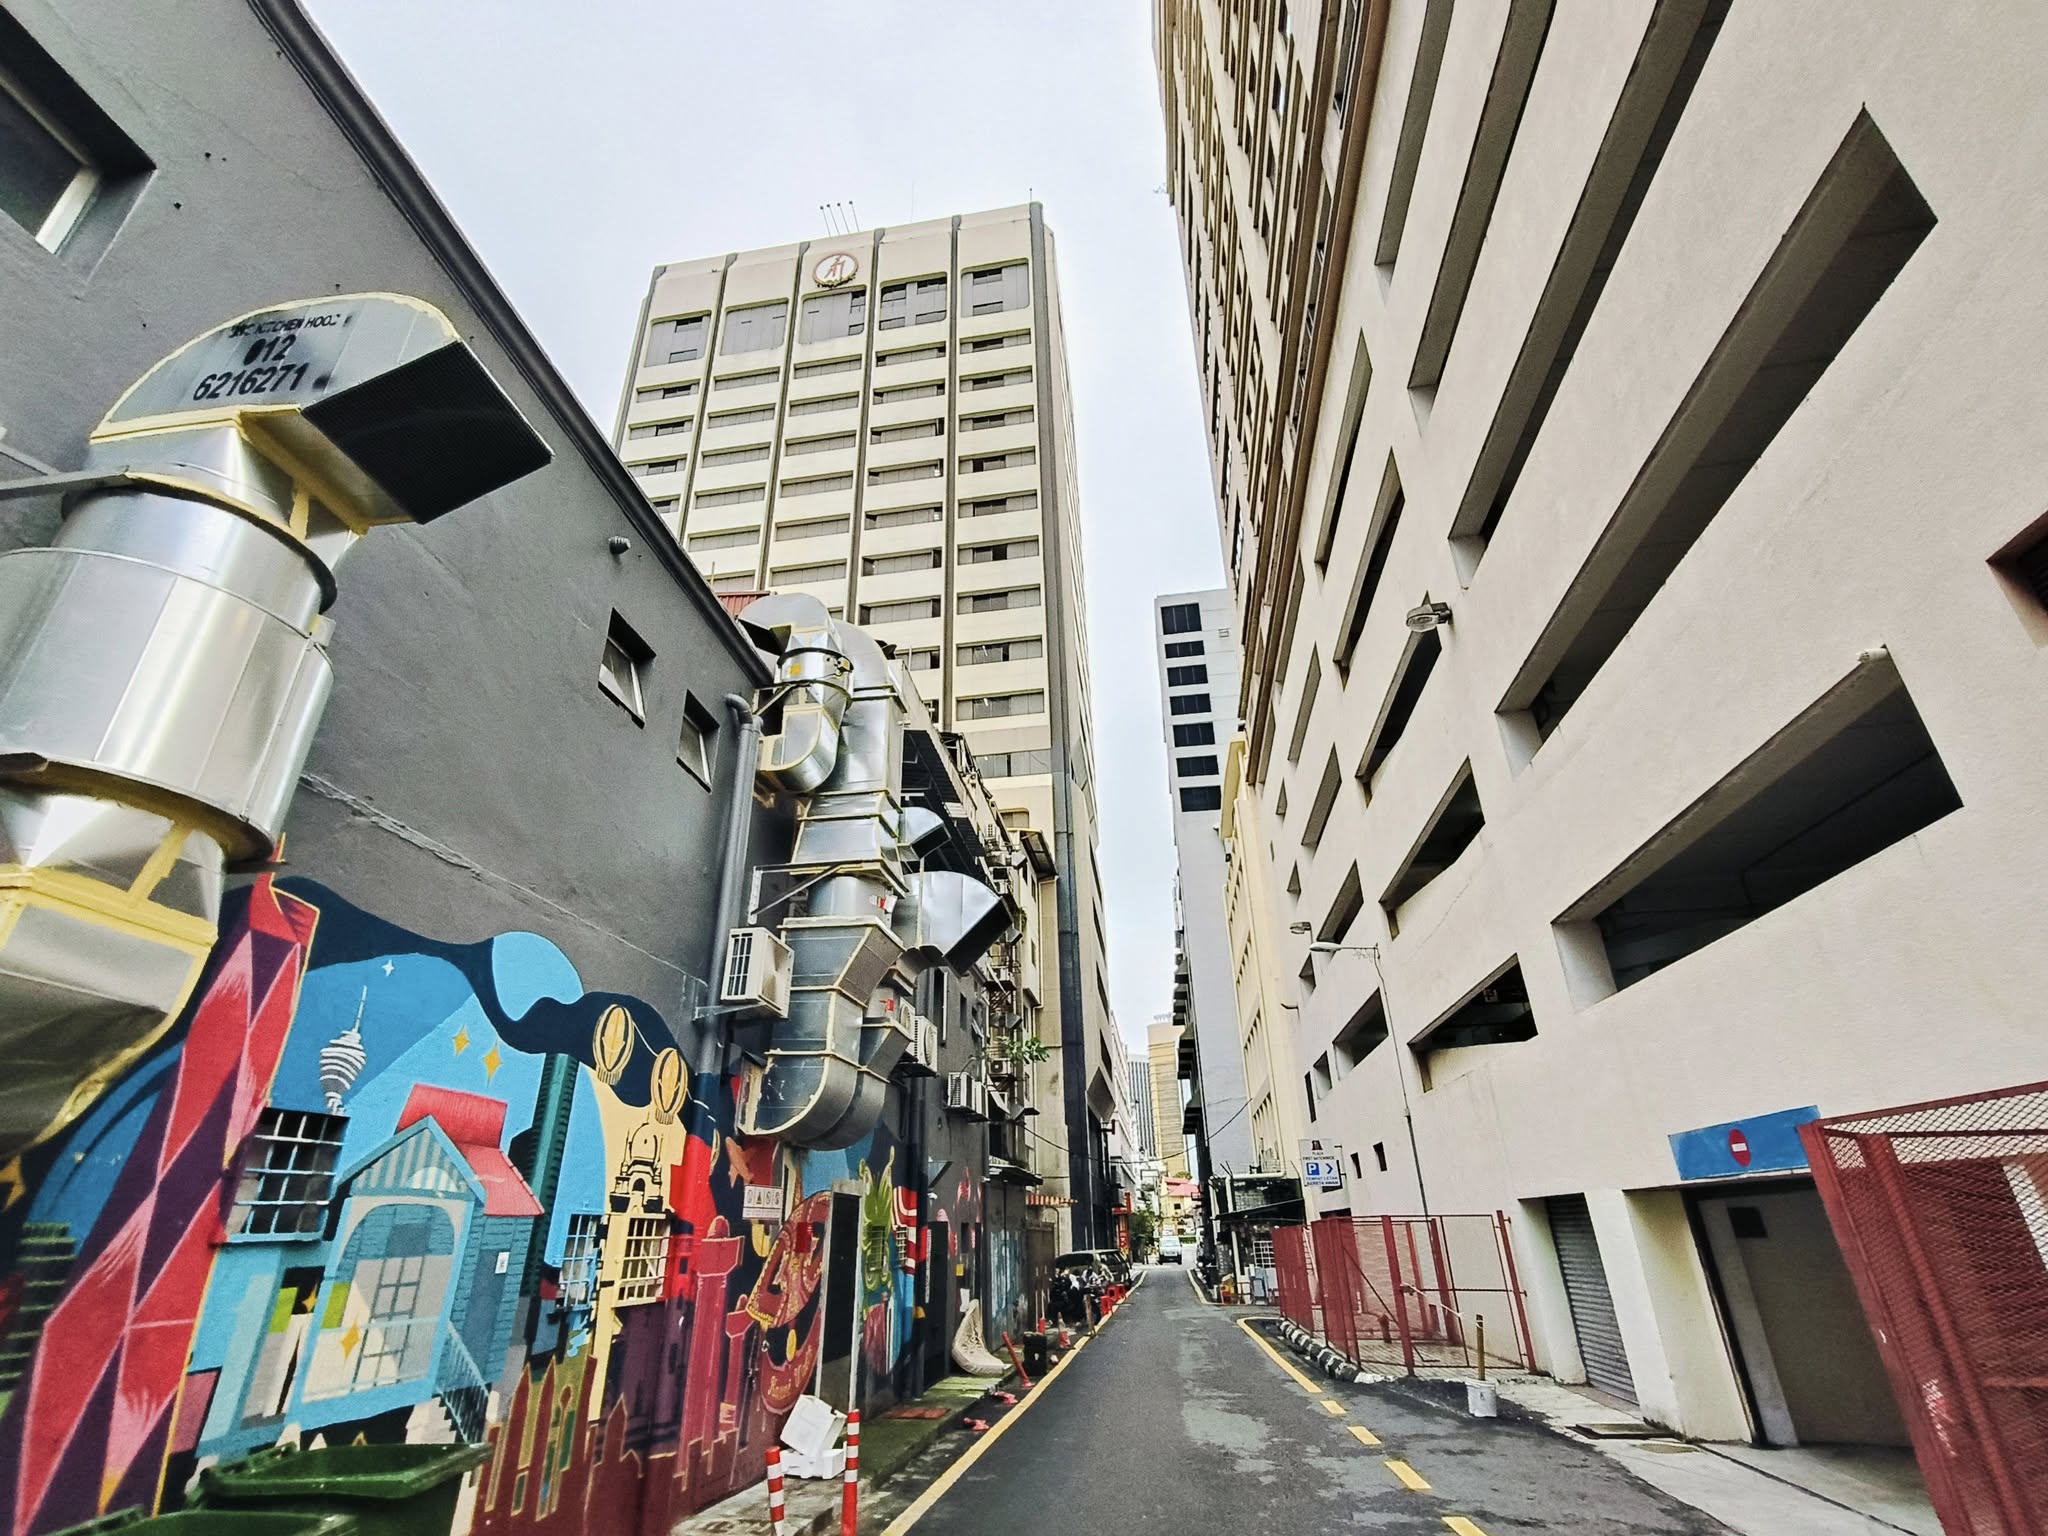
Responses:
[856,214]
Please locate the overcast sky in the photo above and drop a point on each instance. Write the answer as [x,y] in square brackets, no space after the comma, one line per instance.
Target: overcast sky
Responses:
[580,144]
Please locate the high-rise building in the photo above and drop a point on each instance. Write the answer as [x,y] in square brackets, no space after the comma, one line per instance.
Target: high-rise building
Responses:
[883,419]
[1193,633]
[1162,1047]
[1141,1105]
[1624,432]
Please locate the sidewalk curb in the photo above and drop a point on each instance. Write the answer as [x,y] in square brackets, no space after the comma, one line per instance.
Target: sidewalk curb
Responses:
[1322,1356]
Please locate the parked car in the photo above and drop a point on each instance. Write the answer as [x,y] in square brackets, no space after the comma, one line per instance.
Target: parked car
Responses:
[1086,1267]
[1169,1248]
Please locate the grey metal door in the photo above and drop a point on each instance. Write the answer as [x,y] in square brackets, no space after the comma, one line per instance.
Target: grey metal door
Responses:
[1585,1287]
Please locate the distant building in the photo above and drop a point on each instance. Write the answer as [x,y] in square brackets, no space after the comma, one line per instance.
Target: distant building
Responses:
[1141,1105]
[1162,1050]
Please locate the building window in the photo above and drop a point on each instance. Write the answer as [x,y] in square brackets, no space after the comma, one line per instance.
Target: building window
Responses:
[645,1259]
[1180,618]
[740,418]
[991,290]
[623,666]
[908,355]
[582,1250]
[997,343]
[656,467]
[731,498]
[1021,417]
[995,602]
[830,365]
[1200,734]
[1022,501]
[1000,650]
[675,341]
[744,538]
[997,380]
[1188,704]
[901,392]
[1015,549]
[287,1174]
[819,529]
[693,747]
[806,575]
[1183,648]
[1196,767]
[1013,765]
[831,316]
[1186,677]
[905,516]
[745,380]
[670,428]
[755,328]
[1201,797]
[833,444]
[913,303]
[996,705]
[924,659]
[818,486]
[904,434]
[896,565]
[753,453]
[901,472]
[823,406]
[741,581]
[899,613]
[664,392]
[1016,458]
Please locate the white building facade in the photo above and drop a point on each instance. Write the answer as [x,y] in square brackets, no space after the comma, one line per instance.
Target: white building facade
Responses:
[883,419]
[1629,462]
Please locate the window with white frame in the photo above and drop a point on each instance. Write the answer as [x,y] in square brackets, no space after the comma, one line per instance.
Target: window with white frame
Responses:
[623,666]
[644,1259]
[582,1257]
[287,1174]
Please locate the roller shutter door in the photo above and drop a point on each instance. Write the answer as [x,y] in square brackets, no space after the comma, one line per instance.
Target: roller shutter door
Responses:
[1585,1286]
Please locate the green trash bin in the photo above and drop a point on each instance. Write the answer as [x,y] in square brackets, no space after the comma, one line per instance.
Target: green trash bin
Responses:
[216,1522]
[385,1490]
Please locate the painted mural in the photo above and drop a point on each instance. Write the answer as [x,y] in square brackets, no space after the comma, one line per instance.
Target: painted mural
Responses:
[376,1186]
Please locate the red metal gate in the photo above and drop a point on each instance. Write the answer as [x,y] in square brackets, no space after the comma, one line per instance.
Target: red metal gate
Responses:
[1942,1213]
[1406,1292]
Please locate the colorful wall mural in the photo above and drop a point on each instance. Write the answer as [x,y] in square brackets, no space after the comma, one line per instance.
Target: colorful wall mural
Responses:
[376,1185]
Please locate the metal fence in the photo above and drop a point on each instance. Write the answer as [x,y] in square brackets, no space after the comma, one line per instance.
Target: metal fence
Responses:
[1407,1292]
[1941,1210]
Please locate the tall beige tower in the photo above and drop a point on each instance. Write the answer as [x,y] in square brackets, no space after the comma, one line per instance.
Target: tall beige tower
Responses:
[883,419]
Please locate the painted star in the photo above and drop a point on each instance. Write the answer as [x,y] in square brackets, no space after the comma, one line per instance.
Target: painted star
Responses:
[461,1040]
[387,967]
[350,1340]
[492,1061]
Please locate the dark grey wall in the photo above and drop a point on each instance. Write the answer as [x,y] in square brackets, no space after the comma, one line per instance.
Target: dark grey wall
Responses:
[470,776]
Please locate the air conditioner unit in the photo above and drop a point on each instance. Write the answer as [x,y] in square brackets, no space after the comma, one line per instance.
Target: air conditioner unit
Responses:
[960,1090]
[756,972]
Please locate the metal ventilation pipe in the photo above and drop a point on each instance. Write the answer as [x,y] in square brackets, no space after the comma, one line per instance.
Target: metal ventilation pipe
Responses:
[162,672]
[856,951]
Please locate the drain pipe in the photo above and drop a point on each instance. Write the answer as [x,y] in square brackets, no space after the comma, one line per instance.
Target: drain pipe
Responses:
[707,1053]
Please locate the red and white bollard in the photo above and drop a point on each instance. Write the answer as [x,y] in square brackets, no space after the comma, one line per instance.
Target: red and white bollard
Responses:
[775,1524]
[849,1498]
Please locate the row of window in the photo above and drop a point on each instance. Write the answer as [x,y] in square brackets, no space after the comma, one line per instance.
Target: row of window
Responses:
[748,328]
[622,671]
[898,517]
[910,608]
[884,395]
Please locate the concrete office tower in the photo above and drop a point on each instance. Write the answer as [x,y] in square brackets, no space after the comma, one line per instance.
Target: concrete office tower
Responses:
[883,419]
[1162,1048]
[1198,680]
[1626,423]
[1140,1071]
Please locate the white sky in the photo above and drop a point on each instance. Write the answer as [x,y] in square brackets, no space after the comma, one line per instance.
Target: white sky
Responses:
[582,142]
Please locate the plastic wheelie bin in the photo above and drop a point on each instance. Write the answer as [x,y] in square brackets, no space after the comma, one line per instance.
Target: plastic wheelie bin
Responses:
[216,1522]
[385,1490]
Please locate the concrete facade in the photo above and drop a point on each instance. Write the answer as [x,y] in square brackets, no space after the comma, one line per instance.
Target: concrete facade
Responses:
[1687,353]
[882,419]
[1162,1049]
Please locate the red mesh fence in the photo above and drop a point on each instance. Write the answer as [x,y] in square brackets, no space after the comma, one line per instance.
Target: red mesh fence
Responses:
[1942,1213]
[1409,1292]
[1295,1275]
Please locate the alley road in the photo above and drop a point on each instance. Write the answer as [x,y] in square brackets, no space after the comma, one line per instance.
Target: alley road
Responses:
[1173,1419]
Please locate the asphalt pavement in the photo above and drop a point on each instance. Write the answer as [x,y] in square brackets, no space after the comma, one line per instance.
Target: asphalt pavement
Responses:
[1175,1418]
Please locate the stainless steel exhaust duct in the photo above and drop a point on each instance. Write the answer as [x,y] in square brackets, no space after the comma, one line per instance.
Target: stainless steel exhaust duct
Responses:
[854,955]
[162,672]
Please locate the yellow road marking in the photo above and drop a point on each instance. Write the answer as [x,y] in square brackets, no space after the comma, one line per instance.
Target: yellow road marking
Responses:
[1253,1334]
[1410,1478]
[1365,1436]
[1462,1526]
[1332,1406]
[922,1505]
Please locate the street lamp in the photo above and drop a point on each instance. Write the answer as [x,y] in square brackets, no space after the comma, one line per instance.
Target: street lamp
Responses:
[1372,952]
